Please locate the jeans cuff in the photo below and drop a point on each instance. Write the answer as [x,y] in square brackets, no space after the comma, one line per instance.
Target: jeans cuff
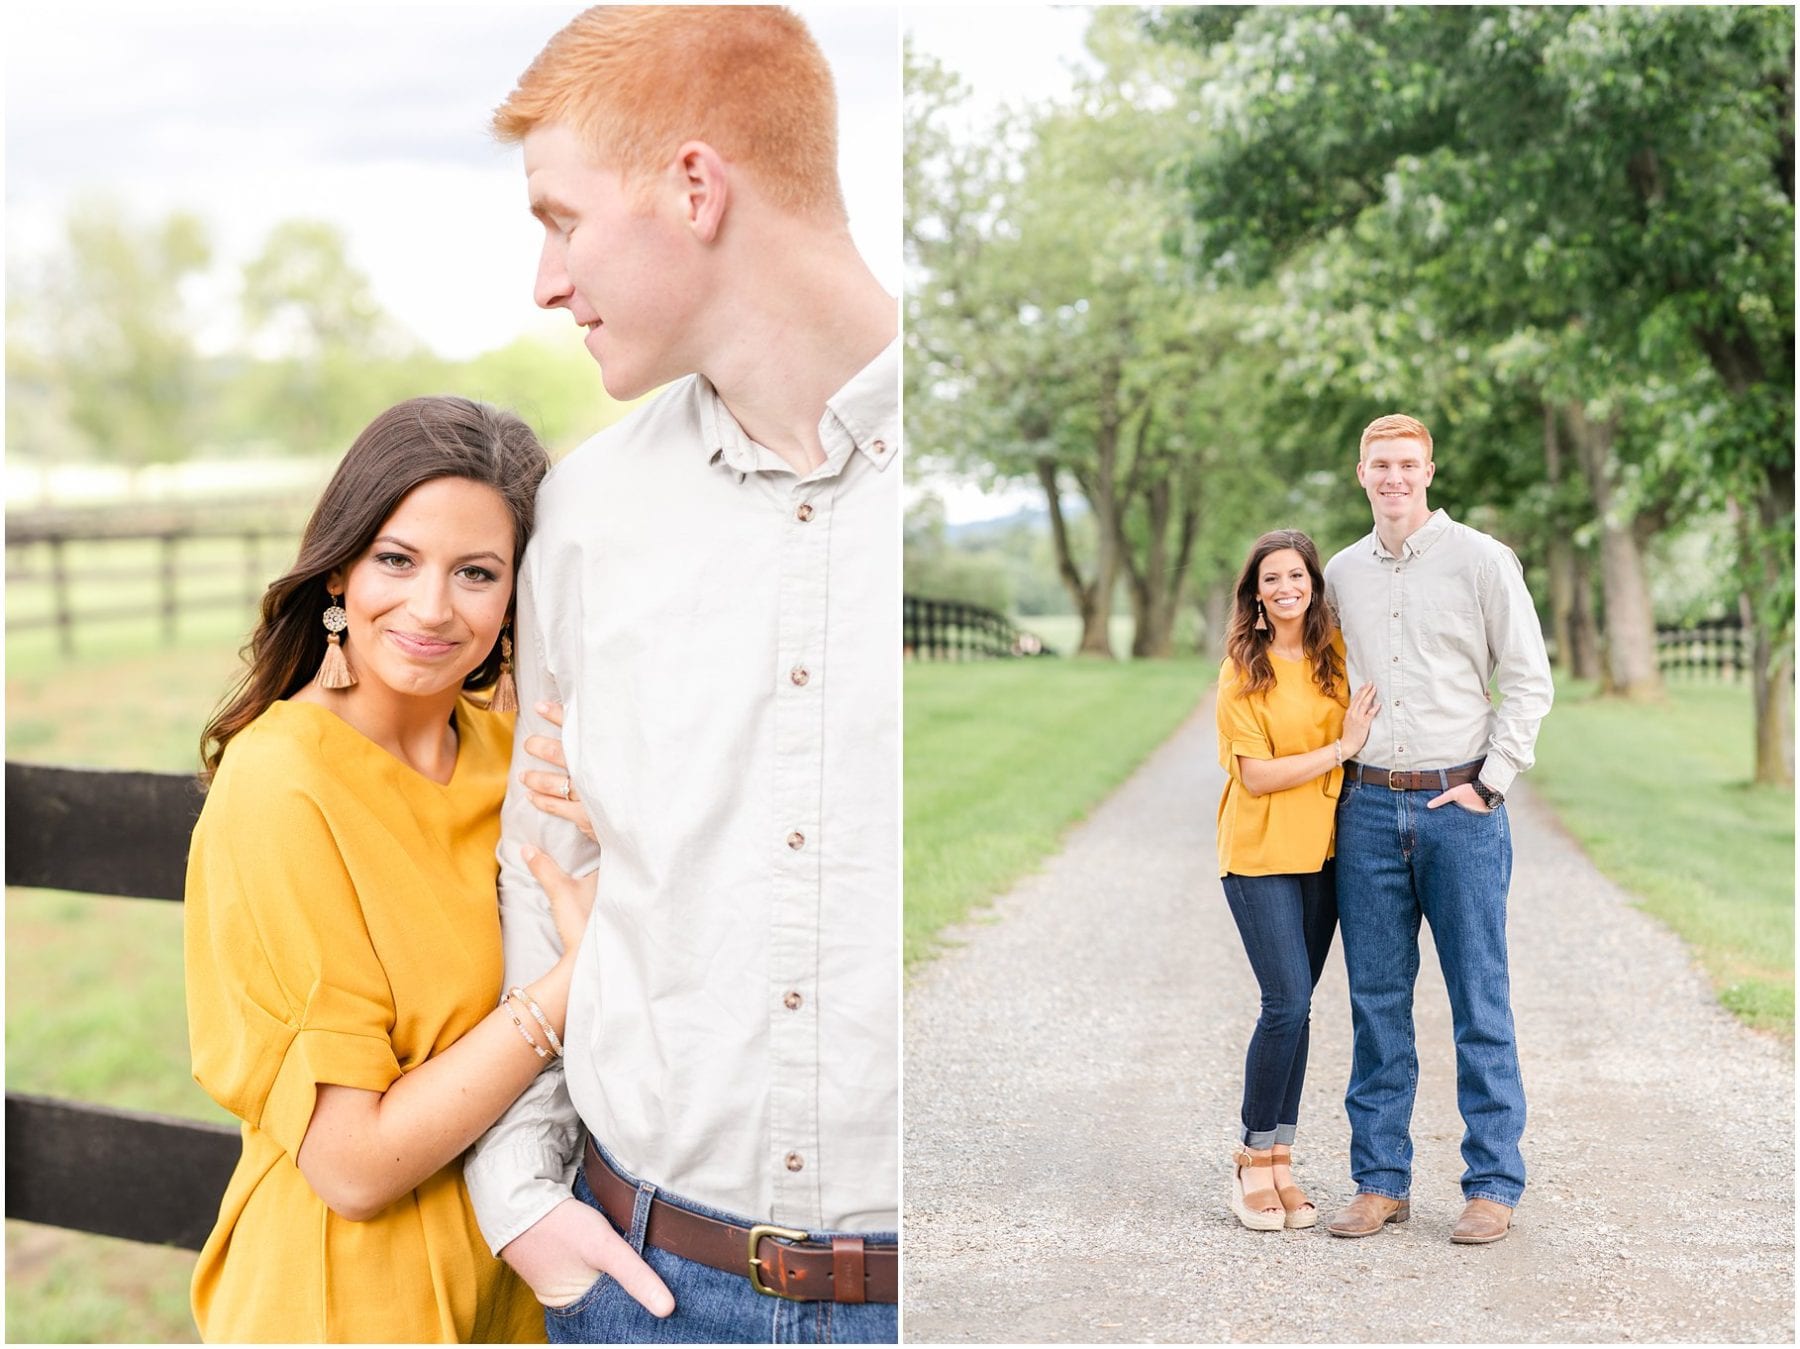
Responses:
[1385,1194]
[1284,1134]
[1261,1138]
[1511,1201]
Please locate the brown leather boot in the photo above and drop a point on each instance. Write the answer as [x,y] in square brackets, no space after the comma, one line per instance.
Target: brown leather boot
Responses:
[1482,1221]
[1367,1214]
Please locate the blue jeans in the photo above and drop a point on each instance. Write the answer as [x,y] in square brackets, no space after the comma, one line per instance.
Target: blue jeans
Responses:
[1398,861]
[711,1306]
[1286,923]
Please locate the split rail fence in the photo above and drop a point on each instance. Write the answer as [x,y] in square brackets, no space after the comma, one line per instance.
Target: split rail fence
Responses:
[118,1173]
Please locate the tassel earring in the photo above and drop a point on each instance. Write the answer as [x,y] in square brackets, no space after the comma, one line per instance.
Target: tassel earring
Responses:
[1262,619]
[334,670]
[506,693]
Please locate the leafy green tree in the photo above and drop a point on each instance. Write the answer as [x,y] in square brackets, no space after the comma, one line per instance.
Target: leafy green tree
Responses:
[102,336]
[1047,299]
[326,355]
[1617,180]
[935,570]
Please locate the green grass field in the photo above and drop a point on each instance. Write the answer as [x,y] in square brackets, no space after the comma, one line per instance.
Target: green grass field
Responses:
[94,1006]
[1002,756]
[1660,799]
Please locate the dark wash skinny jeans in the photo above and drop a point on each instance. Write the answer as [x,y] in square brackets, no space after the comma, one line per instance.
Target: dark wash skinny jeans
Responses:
[1287,923]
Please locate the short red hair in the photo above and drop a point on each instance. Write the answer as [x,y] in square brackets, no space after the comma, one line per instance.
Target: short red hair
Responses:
[1394,426]
[636,81]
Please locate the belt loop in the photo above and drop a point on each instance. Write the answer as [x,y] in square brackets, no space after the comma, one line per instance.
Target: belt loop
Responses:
[640,1215]
[847,1269]
[1443,779]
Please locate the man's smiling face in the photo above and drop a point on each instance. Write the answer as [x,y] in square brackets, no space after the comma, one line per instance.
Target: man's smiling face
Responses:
[1395,473]
[621,261]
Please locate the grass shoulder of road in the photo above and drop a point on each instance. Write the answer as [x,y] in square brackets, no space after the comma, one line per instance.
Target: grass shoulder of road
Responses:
[1003,756]
[1660,798]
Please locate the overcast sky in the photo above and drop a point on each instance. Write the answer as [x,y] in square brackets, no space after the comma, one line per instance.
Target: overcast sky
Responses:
[370,116]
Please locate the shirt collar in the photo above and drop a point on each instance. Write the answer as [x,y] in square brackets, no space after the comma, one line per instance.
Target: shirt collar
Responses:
[862,417]
[1419,541]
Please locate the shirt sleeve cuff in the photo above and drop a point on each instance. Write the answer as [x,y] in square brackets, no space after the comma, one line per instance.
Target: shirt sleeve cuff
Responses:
[512,1188]
[1498,774]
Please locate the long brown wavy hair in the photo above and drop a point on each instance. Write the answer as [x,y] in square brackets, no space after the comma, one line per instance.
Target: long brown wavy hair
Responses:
[411,443]
[1249,649]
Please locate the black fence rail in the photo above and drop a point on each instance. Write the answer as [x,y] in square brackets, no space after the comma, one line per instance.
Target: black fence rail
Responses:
[87,560]
[119,1173]
[951,630]
[1716,651]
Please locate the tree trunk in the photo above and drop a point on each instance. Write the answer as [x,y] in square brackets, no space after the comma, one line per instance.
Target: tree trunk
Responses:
[1631,665]
[1774,643]
[1559,557]
[1741,367]
[1772,686]
[1102,495]
[1092,603]
[1572,620]
[1170,604]
[1584,623]
[1152,631]
[1771,656]
[1215,609]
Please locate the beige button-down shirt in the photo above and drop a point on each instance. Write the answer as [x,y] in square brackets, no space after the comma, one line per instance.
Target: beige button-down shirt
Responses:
[724,635]
[1432,629]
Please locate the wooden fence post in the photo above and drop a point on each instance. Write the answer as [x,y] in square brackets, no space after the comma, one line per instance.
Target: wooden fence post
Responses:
[166,546]
[59,597]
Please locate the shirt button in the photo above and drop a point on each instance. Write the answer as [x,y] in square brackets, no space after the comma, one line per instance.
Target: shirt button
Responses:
[794,1161]
[803,512]
[799,675]
[1395,614]
[796,840]
[1396,702]
[791,1001]
[880,447]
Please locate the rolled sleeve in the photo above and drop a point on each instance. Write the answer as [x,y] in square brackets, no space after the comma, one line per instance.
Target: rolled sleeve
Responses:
[326,1050]
[285,990]
[523,1166]
[1240,732]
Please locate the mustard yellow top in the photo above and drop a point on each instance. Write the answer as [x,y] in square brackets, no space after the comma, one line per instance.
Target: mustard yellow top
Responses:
[1287,832]
[342,927]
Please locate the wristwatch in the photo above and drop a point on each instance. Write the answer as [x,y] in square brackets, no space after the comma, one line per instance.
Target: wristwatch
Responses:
[1489,797]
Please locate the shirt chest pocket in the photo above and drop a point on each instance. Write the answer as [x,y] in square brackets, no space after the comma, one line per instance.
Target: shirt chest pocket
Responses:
[1446,619]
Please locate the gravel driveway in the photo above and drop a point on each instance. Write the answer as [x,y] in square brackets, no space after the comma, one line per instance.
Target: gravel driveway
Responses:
[1073,1071]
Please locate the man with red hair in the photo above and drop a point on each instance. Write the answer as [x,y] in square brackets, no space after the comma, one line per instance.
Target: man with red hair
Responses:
[713,595]
[1432,612]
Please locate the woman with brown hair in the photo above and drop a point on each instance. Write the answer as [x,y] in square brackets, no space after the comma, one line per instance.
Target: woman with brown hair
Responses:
[1287,723]
[342,930]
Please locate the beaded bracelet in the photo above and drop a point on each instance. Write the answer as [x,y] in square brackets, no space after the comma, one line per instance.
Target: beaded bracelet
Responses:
[536,1048]
[537,1012]
[1337,748]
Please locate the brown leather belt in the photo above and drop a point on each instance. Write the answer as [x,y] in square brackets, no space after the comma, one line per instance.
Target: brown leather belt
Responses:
[778,1261]
[1424,780]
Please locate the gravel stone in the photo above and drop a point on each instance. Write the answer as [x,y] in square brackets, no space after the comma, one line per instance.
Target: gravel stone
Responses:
[1073,1073]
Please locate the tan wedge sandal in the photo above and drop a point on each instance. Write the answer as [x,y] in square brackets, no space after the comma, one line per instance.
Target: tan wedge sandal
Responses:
[1301,1211]
[1259,1210]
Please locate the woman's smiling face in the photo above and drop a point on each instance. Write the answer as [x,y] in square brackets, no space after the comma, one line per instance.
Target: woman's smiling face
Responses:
[1284,585]
[429,595]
